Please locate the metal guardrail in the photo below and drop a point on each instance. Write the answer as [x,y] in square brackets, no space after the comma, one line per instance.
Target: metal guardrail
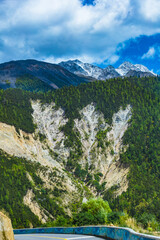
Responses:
[116,233]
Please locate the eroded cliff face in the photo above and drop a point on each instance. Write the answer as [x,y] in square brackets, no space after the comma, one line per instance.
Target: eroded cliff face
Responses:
[104,159]
[102,144]
[49,120]
[31,148]
[101,148]
[6,231]
[70,191]
[35,208]
[25,145]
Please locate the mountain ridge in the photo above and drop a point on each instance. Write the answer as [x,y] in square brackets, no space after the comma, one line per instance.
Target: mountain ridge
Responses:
[51,76]
[33,75]
[86,69]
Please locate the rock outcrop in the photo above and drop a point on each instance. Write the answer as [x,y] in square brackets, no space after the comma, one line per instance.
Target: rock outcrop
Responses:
[6,230]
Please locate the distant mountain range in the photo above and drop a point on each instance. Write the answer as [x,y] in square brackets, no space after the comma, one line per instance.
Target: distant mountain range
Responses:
[36,76]
[125,69]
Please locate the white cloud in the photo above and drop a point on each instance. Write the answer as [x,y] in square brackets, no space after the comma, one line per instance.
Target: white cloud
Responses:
[61,29]
[150,9]
[83,58]
[113,59]
[150,54]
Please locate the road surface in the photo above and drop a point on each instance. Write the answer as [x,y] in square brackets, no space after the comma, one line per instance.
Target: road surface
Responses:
[54,237]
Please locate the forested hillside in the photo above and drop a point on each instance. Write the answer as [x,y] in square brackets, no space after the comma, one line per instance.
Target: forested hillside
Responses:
[142,138]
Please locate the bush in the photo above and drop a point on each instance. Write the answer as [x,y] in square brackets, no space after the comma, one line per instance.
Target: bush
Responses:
[83,218]
[93,212]
[59,222]
[114,217]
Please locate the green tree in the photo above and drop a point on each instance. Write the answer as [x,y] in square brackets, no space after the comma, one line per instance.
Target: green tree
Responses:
[94,211]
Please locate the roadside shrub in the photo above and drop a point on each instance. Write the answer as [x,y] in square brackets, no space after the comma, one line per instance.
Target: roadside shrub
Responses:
[93,212]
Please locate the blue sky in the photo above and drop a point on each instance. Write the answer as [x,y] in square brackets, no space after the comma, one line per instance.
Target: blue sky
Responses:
[101,31]
[143,49]
[87,2]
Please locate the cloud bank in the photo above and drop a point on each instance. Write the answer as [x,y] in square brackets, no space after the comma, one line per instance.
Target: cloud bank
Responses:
[56,30]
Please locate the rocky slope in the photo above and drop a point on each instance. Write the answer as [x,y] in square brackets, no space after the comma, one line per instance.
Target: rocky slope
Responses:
[139,74]
[51,150]
[47,146]
[6,231]
[49,121]
[29,147]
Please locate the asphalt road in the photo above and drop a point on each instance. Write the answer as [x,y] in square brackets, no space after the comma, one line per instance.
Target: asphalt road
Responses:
[54,236]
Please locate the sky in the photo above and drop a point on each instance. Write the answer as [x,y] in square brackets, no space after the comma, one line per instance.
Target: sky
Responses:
[101,32]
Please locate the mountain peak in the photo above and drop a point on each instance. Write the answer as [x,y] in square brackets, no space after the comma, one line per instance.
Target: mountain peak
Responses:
[144,69]
[126,63]
[76,61]
[125,67]
[80,68]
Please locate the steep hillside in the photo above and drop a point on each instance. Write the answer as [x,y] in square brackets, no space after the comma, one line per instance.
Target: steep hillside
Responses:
[62,147]
[35,75]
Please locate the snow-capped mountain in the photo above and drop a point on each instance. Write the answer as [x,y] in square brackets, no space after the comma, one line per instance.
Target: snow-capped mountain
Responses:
[144,69]
[73,66]
[89,70]
[110,72]
[125,67]
[80,68]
